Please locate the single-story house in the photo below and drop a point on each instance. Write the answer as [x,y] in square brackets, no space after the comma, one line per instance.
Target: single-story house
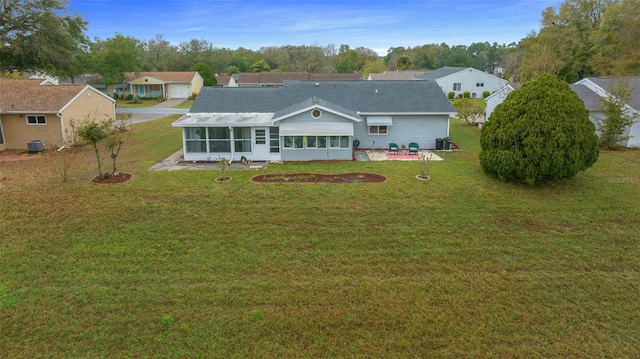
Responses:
[592,89]
[178,84]
[33,109]
[223,80]
[462,79]
[308,120]
[495,99]
[277,78]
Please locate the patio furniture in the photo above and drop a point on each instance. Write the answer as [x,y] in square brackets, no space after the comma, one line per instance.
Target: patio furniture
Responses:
[393,148]
[413,148]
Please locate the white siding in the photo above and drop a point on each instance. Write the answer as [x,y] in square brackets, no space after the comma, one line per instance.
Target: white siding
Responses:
[468,78]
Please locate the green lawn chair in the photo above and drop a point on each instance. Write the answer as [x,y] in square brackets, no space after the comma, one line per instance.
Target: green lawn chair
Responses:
[413,148]
[393,148]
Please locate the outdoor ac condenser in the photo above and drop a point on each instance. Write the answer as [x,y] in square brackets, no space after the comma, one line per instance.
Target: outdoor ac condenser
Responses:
[35,146]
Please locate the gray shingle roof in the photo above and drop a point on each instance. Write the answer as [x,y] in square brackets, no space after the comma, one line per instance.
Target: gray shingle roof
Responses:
[590,99]
[441,72]
[356,96]
[633,81]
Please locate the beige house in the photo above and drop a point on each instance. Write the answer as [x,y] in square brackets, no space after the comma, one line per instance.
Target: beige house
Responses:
[169,85]
[34,109]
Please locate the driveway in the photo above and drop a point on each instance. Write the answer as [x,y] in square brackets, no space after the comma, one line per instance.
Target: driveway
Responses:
[163,109]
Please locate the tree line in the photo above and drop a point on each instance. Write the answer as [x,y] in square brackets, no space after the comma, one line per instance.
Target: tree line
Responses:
[580,38]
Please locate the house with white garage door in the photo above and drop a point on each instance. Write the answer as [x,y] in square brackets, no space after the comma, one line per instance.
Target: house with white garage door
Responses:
[309,120]
[168,85]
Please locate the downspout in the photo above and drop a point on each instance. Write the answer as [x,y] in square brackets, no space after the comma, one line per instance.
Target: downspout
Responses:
[64,135]
[232,143]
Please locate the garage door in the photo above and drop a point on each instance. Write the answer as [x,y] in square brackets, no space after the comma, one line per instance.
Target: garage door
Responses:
[180,91]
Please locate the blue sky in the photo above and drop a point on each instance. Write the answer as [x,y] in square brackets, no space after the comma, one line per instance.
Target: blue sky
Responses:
[374,24]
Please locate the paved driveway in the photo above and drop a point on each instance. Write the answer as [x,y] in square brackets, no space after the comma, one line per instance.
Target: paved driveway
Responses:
[162,109]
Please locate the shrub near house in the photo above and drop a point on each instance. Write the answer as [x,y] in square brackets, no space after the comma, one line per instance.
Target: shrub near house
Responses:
[540,132]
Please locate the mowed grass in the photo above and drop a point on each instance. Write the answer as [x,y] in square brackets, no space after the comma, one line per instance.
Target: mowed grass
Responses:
[174,265]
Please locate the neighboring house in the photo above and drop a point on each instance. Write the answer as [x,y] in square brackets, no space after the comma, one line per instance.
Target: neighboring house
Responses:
[277,78]
[592,89]
[462,79]
[495,99]
[35,110]
[155,84]
[394,75]
[223,80]
[308,120]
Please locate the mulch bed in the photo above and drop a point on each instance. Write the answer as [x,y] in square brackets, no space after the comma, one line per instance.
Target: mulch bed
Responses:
[354,177]
[119,178]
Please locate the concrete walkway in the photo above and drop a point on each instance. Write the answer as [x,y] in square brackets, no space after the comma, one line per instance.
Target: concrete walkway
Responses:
[176,162]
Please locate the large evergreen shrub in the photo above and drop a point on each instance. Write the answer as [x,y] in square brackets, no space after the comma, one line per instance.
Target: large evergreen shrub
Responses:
[541,132]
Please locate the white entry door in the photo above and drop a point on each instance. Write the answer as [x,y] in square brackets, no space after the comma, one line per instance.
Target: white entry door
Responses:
[260,144]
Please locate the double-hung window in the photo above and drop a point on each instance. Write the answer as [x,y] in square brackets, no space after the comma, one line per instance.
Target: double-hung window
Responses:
[457,86]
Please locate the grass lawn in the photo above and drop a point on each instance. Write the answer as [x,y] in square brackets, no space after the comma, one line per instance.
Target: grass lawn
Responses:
[120,103]
[174,265]
[477,102]
[185,104]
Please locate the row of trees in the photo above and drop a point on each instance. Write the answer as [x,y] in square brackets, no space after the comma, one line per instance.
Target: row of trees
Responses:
[579,38]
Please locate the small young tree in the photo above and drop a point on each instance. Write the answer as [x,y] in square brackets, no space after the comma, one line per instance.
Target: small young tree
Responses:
[467,110]
[93,132]
[617,115]
[541,132]
[114,143]
[224,164]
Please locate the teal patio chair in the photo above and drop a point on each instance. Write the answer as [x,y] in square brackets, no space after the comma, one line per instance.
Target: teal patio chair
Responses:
[413,148]
[393,148]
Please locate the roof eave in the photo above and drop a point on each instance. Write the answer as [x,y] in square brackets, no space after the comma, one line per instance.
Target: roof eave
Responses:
[404,113]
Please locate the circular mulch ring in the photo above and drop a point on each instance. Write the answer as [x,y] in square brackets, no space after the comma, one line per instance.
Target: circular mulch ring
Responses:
[119,178]
[354,177]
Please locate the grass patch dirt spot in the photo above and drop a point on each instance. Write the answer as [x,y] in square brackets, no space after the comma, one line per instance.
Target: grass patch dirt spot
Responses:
[320,178]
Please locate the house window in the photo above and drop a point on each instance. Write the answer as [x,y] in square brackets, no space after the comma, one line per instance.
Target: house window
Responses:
[293,141]
[457,86]
[195,139]
[311,142]
[377,130]
[316,141]
[480,84]
[274,140]
[261,137]
[242,139]
[316,113]
[339,141]
[36,120]
[219,139]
